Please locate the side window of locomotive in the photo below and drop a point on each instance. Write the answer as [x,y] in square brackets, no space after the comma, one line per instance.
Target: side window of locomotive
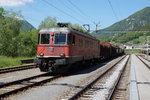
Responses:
[60,38]
[96,45]
[45,38]
[69,40]
[91,44]
[86,43]
[80,42]
[73,39]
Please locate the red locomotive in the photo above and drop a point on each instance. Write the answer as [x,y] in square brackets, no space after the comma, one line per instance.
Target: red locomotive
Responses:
[59,47]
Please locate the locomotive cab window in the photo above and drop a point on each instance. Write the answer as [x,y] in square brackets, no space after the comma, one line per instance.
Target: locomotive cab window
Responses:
[60,38]
[45,39]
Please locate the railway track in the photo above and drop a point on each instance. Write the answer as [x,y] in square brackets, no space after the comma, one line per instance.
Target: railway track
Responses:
[122,88]
[14,87]
[144,58]
[18,68]
[99,84]
[143,61]
[18,86]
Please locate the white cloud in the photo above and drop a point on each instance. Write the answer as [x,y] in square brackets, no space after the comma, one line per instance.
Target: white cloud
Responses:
[4,3]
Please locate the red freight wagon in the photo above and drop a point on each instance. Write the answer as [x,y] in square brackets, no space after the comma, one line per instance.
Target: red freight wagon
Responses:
[114,50]
[106,49]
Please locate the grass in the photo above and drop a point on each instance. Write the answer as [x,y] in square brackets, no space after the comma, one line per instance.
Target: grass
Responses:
[133,50]
[9,61]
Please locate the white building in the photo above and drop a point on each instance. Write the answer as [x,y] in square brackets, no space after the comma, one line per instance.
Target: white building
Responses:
[128,46]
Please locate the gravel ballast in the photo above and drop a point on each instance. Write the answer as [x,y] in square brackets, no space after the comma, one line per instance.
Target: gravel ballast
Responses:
[59,89]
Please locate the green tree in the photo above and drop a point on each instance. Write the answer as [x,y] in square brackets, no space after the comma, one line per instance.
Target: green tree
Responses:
[24,44]
[27,43]
[77,26]
[48,22]
[34,38]
[2,12]
[9,29]
[2,31]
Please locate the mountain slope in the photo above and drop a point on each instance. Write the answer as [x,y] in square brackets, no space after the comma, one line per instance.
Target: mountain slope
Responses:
[26,26]
[138,19]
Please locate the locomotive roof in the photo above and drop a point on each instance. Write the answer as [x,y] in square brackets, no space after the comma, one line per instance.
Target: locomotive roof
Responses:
[66,29]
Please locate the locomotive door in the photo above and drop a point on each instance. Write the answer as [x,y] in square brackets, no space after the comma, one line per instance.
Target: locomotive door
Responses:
[51,48]
[73,44]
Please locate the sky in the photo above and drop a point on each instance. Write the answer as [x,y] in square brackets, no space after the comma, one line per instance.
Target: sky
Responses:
[102,12]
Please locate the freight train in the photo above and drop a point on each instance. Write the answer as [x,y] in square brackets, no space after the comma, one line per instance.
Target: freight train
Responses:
[61,47]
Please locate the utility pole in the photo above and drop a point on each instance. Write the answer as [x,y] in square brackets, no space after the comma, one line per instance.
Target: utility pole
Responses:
[97,25]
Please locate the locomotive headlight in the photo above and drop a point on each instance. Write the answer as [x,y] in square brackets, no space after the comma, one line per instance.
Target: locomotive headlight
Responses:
[62,55]
[41,54]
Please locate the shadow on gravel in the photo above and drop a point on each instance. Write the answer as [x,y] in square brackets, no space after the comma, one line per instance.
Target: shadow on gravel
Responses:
[80,68]
[67,85]
[74,86]
[86,68]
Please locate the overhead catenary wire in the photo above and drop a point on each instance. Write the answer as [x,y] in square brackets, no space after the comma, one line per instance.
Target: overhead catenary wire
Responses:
[69,8]
[114,12]
[82,12]
[60,10]
[112,9]
[118,6]
[87,16]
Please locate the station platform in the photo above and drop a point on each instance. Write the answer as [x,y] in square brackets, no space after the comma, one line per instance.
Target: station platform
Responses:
[139,80]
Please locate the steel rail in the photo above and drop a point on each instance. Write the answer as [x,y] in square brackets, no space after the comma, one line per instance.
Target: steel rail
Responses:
[117,81]
[144,58]
[78,94]
[21,80]
[17,68]
[143,61]
[20,89]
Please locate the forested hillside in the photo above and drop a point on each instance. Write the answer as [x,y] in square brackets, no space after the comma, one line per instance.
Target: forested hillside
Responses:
[139,20]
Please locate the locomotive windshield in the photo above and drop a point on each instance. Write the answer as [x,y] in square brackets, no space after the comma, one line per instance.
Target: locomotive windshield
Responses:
[45,38]
[60,38]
